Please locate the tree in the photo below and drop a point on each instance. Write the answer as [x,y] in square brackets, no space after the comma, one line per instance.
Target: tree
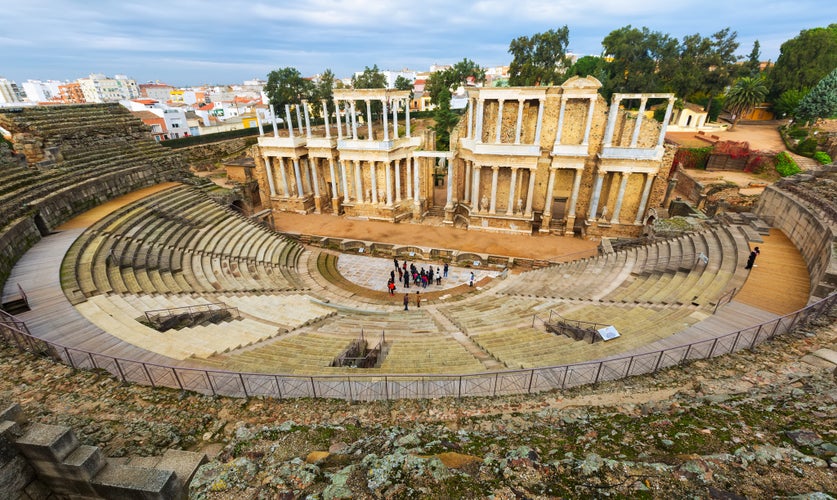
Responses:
[744,95]
[805,60]
[451,78]
[594,66]
[722,63]
[639,59]
[445,121]
[539,59]
[753,65]
[324,89]
[287,86]
[786,104]
[402,83]
[371,78]
[821,101]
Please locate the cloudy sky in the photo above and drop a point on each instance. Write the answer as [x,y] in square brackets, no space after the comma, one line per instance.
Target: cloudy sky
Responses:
[190,42]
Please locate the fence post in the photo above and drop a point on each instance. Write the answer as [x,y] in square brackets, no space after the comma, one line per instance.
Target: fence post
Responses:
[531,378]
[174,372]
[148,374]
[386,388]
[119,369]
[598,372]
[496,380]
[278,387]
[313,387]
[69,358]
[209,381]
[243,385]
[712,349]
[756,337]
[349,382]
[659,360]
[630,363]
[564,380]
[459,390]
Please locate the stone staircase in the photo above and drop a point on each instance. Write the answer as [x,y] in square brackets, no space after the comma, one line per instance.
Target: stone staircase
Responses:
[45,461]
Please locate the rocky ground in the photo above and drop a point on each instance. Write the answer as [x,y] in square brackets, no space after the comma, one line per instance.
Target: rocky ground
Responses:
[755,424]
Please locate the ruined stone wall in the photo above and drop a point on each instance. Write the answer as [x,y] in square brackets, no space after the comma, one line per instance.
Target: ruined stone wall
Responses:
[206,156]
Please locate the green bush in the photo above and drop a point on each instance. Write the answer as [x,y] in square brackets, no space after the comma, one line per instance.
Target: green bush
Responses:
[785,165]
[797,133]
[807,147]
[822,157]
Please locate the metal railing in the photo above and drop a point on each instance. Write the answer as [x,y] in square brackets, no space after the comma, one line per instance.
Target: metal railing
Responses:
[726,298]
[355,387]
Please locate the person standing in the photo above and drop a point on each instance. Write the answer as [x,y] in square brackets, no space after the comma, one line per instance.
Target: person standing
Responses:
[406,301]
[471,281]
[751,260]
[418,299]
[438,277]
[445,273]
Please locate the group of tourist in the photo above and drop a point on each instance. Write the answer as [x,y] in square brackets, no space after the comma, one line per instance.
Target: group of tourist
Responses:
[415,276]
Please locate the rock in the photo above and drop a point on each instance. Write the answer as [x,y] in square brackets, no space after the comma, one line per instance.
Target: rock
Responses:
[804,437]
[409,441]
[338,447]
[453,460]
[338,489]
[591,464]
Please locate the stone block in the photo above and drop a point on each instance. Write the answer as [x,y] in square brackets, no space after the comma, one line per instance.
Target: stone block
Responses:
[136,483]
[9,429]
[41,442]
[15,473]
[184,463]
[13,413]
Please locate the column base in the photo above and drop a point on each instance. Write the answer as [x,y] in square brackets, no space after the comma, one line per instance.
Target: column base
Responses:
[335,206]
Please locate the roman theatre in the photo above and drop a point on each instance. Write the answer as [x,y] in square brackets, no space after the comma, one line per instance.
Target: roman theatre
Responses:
[115,257]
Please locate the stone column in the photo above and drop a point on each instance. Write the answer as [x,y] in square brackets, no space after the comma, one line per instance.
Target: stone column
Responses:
[480,109]
[519,127]
[273,118]
[388,180]
[594,197]
[331,171]
[539,125]
[337,117]
[619,197]
[259,123]
[298,178]
[611,121]
[470,118]
[574,195]
[638,125]
[386,119]
[547,204]
[467,193]
[395,120]
[646,192]
[408,120]
[369,119]
[560,130]
[408,176]
[512,182]
[325,117]
[664,127]
[449,182]
[531,193]
[416,183]
[358,183]
[499,121]
[495,172]
[589,123]
[373,177]
[305,165]
[269,174]
[354,121]
[475,196]
[398,181]
[298,119]
[307,120]
[314,181]
[345,178]
[285,187]
[290,122]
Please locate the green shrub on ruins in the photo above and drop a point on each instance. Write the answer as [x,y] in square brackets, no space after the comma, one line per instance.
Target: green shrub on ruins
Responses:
[822,157]
[785,165]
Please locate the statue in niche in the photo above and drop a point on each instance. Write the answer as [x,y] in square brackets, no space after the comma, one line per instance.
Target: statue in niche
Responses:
[484,203]
[603,217]
[520,205]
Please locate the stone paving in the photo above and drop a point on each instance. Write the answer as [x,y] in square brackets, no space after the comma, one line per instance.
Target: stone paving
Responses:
[373,272]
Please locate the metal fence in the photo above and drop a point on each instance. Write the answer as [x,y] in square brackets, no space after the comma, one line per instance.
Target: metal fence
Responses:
[355,387]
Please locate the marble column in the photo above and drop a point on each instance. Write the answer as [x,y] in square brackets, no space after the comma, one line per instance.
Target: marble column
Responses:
[476,194]
[273,119]
[408,176]
[314,181]
[638,125]
[325,117]
[408,120]
[345,178]
[334,193]
[369,119]
[388,179]
[354,121]
[307,120]
[298,120]
[661,139]
[519,127]
[547,203]
[539,125]
[596,193]
[495,173]
[480,110]
[337,117]
[470,118]
[611,121]
[358,183]
[530,195]
[416,183]
[395,120]
[620,197]
[286,189]
[305,166]
[397,181]
[298,178]
[269,174]
[560,130]
[386,120]
[290,122]
[467,190]
[589,123]
[259,123]
[373,177]
[449,182]
[499,121]
[512,183]
[574,195]
[646,192]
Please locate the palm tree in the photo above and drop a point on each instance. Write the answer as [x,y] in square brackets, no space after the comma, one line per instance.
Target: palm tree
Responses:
[744,95]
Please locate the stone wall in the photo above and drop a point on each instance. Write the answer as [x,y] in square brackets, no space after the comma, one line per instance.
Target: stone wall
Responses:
[205,156]
[15,240]
[814,238]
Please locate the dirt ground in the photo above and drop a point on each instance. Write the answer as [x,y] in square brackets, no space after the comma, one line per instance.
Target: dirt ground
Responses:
[433,235]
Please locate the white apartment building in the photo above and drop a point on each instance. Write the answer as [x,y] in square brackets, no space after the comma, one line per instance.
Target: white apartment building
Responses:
[38,91]
[9,92]
[100,88]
